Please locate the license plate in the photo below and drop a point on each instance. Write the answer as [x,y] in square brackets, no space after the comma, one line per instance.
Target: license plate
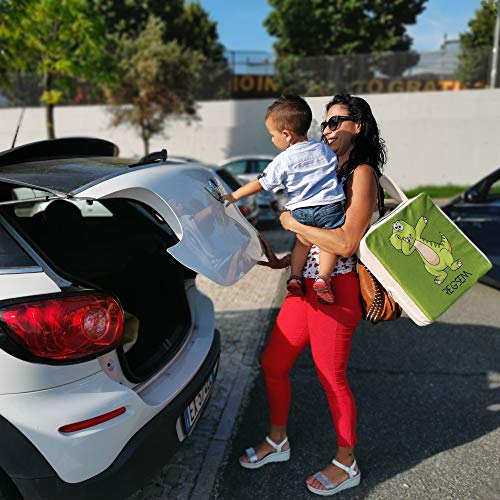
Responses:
[193,410]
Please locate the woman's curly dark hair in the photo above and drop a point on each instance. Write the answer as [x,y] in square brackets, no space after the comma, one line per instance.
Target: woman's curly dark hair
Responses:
[369,147]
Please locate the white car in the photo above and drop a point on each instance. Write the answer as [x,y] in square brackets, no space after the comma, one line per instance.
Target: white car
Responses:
[247,168]
[108,351]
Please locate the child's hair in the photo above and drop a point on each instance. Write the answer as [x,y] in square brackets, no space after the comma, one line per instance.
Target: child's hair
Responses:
[290,112]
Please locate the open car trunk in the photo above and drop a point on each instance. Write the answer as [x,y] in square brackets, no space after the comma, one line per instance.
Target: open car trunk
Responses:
[118,246]
[136,232]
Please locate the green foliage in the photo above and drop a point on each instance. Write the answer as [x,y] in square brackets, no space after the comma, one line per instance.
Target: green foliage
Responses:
[306,28]
[446,191]
[312,27]
[186,23]
[156,79]
[59,40]
[475,45]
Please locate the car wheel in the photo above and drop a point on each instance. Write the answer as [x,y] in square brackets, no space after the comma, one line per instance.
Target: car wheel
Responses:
[8,490]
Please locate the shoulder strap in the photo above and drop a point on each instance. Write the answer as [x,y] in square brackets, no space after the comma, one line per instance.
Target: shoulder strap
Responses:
[380,196]
[385,183]
[392,189]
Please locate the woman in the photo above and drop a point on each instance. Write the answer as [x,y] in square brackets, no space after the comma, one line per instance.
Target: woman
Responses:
[352,133]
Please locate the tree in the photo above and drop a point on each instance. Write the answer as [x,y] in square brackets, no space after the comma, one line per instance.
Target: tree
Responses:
[475,45]
[186,23]
[59,40]
[156,79]
[309,28]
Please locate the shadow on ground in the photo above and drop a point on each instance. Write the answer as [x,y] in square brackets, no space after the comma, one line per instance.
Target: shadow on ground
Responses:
[420,392]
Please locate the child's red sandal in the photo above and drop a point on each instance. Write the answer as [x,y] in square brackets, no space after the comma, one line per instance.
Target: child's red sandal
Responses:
[324,290]
[294,286]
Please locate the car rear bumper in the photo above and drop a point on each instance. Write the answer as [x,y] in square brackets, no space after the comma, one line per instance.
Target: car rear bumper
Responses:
[144,455]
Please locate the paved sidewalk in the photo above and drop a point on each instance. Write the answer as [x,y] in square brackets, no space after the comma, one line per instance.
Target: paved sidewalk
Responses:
[244,314]
[428,422]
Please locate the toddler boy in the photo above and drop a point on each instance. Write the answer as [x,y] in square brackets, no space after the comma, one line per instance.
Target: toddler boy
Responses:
[306,171]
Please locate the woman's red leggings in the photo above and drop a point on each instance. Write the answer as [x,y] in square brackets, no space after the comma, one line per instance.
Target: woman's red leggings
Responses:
[329,329]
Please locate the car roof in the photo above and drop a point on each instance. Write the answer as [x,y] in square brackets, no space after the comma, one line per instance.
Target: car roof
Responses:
[65,147]
[65,166]
[62,176]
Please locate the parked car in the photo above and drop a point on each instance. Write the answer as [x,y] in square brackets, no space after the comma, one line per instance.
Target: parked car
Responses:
[108,351]
[248,206]
[247,168]
[477,213]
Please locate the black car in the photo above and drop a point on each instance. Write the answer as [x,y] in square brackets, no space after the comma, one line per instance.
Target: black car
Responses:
[477,213]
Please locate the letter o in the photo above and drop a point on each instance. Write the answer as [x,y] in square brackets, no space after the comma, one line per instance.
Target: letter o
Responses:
[375,86]
[247,83]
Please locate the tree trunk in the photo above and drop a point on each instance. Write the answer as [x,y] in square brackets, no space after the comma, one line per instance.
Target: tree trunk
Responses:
[145,141]
[49,108]
[49,118]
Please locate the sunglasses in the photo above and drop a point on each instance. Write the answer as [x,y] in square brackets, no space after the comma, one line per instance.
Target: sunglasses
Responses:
[334,122]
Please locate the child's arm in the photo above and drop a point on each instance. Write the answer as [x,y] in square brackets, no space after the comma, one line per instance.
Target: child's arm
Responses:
[251,188]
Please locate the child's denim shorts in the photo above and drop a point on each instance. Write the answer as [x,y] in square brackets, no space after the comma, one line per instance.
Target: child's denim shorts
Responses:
[325,216]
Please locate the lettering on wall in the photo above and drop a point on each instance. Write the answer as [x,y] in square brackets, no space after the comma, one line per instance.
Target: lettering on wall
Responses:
[249,86]
[254,86]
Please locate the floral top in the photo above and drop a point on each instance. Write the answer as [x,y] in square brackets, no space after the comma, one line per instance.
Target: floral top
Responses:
[344,264]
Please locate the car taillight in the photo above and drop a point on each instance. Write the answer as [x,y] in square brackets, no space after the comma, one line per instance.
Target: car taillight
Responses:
[66,328]
[244,210]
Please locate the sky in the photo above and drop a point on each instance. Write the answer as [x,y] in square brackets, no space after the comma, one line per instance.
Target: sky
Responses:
[239,23]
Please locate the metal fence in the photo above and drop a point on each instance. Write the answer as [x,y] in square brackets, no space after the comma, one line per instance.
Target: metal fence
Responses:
[247,74]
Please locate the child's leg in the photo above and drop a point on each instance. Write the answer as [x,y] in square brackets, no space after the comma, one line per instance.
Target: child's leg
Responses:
[327,217]
[299,256]
[327,263]
[323,284]
[298,259]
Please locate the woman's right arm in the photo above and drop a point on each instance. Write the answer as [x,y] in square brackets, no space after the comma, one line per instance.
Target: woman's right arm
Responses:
[361,196]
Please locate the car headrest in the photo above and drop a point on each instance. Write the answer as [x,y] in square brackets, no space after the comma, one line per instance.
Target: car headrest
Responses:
[60,212]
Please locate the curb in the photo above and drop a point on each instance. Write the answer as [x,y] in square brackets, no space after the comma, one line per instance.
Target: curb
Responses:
[246,375]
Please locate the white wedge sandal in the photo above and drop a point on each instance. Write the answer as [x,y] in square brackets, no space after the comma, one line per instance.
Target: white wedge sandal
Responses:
[330,488]
[277,456]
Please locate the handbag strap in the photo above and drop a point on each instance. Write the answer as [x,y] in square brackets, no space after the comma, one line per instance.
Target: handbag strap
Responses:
[392,189]
[385,183]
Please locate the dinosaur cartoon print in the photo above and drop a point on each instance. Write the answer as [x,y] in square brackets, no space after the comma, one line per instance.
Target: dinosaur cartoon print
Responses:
[436,256]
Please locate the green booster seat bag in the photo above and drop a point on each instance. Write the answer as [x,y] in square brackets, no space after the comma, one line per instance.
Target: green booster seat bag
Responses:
[420,256]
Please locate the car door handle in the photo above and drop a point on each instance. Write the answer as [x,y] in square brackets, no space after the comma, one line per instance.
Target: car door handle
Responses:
[213,189]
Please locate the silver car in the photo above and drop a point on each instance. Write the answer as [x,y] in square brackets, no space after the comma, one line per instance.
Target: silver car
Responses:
[247,168]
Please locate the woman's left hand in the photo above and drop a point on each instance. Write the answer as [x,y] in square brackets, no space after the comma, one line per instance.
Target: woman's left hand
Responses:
[286,220]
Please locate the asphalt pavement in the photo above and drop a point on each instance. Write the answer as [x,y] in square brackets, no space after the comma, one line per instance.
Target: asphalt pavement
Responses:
[428,413]
[244,313]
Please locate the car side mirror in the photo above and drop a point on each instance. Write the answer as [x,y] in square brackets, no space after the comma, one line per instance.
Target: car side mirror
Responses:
[471,196]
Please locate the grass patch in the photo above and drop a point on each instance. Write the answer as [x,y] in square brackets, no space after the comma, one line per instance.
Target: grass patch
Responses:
[446,191]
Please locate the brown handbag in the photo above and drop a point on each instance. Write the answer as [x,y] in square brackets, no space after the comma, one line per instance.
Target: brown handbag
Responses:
[376,303]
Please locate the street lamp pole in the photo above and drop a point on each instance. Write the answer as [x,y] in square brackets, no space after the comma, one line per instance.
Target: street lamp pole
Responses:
[494,54]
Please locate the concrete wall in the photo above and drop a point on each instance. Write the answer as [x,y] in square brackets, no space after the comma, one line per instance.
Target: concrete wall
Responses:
[432,137]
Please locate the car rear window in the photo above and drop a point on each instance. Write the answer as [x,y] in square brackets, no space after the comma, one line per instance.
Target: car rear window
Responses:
[62,175]
[11,253]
